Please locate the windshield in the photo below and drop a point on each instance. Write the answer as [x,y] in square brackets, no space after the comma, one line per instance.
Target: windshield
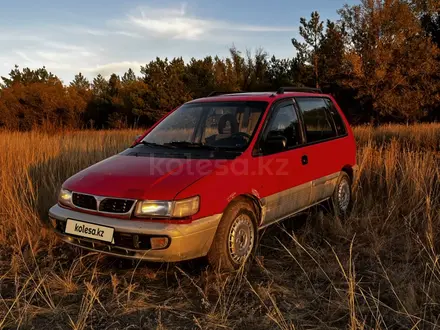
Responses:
[228,125]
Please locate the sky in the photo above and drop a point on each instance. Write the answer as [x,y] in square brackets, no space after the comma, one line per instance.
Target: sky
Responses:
[106,36]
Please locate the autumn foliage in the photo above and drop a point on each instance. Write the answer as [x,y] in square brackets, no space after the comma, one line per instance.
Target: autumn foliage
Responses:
[381,61]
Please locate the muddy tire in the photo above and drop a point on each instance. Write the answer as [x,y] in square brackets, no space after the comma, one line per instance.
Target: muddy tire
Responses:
[235,239]
[342,199]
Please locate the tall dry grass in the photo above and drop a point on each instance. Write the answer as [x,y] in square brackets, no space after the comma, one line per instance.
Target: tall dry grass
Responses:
[379,269]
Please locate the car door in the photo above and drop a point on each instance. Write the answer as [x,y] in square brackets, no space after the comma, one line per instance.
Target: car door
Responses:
[283,176]
[325,146]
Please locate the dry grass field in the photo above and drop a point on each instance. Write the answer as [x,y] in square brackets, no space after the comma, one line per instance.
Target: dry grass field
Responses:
[379,269]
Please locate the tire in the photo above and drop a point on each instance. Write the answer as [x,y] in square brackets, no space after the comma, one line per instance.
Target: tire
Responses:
[342,199]
[235,239]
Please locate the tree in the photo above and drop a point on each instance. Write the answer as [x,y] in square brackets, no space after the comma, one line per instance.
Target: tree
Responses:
[257,70]
[35,99]
[381,61]
[166,86]
[239,75]
[98,108]
[278,73]
[225,76]
[311,32]
[128,76]
[199,77]
[99,85]
[429,13]
[28,76]
[80,82]
[331,54]
[135,97]
[391,61]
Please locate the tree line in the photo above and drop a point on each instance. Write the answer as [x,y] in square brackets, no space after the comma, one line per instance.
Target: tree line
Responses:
[380,60]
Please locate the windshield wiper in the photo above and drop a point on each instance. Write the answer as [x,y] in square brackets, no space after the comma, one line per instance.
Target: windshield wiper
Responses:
[151,144]
[186,144]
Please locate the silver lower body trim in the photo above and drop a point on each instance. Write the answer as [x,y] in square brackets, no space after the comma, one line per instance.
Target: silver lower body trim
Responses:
[293,214]
[288,202]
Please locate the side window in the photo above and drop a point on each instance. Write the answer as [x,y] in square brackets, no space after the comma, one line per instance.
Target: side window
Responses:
[339,123]
[317,119]
[284,122]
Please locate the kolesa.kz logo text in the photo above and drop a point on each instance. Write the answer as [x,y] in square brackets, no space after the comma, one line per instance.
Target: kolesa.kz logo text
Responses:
[86,230]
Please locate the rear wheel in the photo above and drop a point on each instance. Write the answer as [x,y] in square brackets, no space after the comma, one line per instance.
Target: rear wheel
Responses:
[342,196]
[236,237]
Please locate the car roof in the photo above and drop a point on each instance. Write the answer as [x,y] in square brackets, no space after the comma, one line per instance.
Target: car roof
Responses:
[256,96]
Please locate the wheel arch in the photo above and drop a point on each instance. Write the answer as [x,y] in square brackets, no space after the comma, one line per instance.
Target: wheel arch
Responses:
[254,201]
[349,170]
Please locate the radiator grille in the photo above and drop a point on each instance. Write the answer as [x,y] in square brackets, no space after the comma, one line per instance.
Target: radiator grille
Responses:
[113,205]
[84,201]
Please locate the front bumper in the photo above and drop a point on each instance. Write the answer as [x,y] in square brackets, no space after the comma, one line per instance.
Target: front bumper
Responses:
[187,241]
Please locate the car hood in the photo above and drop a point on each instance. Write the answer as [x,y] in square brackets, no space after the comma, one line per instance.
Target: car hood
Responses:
[141,177]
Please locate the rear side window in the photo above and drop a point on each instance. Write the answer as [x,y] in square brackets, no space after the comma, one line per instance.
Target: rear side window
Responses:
[337,119]
[318,120]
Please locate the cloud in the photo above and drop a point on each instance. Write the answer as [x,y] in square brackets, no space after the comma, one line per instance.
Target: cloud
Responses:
[105,32]
[51,51]
[16,35]
[128,34]
[63,46]
[24,56]
[115,67]
[57,56]
[129,40]
[176,23]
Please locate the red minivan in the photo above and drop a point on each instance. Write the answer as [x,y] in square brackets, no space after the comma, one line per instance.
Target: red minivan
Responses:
[207,177]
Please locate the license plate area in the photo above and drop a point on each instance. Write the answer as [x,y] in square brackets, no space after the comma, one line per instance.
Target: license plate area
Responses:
[89,230]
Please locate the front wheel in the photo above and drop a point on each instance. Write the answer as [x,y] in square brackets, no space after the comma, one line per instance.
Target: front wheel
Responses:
[236,237]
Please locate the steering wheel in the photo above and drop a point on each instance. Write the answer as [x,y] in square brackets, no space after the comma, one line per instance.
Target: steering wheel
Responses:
[241,134]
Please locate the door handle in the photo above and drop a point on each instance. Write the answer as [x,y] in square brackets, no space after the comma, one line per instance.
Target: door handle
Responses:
[304,160]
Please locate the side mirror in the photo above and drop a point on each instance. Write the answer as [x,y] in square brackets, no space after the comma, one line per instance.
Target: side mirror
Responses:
[274,144]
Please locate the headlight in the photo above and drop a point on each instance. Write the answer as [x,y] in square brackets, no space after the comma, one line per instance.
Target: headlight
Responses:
[153,208]
[176,209]
[65,197]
